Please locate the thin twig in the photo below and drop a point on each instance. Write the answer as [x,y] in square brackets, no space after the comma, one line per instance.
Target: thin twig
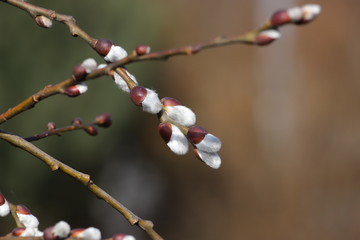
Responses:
[55,164]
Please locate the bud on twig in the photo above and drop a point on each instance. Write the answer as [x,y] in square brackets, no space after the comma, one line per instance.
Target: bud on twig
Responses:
[267,36]
[24,232]
[103,46]
[174,138]
[91,130]
[80,71]
[51,126]
[43,21]
[59,231]
[121,236]
[26,218]
[76,121]
[203,140]
[309,13]
[4,206]
[179,113]
[142,50]
[103,120]
[90,233]
[146,98]
[76,90]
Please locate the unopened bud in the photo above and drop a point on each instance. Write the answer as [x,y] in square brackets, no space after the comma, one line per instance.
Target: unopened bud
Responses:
[174,138]
[267,36]
[26,218]
[4,206]
[51,126]
[103,120]
[91,130]
[142,50]
[146,98]
[103,46]
[76,90]
[59,231]
[90,233]
[43,21]
[212,159]
[76,121]
[181,114]
[24,232]
[203,140]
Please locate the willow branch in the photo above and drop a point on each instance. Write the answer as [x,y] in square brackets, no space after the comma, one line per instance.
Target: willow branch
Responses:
[54,164]
[75,30]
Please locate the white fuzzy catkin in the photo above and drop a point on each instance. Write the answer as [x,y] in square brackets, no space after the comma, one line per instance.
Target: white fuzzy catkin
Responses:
[212,159]
[151,103]
[89,64]
[295,14]
[82,87]
[121,83]
[129,237]
[178,143]
[210,143]
[4,209]
[62,229]
[90,233]
[310,11]
[181,114]
[29,220]
[116,53]
[271,33]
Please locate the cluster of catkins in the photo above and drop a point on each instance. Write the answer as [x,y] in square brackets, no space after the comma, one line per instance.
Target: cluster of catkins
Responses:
[294,15]
[60,230]
[177,122]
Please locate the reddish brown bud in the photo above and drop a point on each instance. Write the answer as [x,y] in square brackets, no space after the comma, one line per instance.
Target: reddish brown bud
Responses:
[49,234]
[280,17]
[51,125]
[165,130]
[91,130]
[138,94]
[121,236]
[17,231]
[103,46]
[72,91]
[22,210]
[142,50]
[196,134]
[76,121]
[103,120]
[169,102]
[79,72]
[2,199]
[43,21]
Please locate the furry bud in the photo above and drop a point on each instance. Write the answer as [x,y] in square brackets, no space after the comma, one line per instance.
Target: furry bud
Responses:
[212,159]
[203,140]
[76,90]
[146,98]
[90,233]
[26,218]
[174,138]
[116,53]
[4,206]
[43,21]
[179,113]
[267,36]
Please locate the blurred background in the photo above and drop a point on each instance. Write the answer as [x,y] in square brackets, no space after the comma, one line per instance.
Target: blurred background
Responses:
[288,116]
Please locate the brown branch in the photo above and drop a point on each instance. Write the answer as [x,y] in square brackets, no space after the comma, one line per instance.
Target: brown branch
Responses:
[54,164]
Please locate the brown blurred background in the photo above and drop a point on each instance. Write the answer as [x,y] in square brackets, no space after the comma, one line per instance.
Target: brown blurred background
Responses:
[288,116]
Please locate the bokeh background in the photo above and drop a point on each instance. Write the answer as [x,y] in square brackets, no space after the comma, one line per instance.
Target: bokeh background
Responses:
[288,116]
